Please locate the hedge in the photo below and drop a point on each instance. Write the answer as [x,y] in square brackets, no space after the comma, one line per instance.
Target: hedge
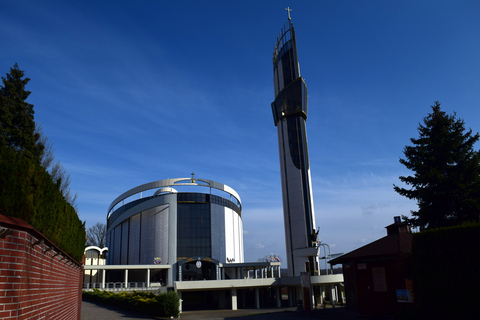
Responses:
[161,305]
[28,192]
[446,273]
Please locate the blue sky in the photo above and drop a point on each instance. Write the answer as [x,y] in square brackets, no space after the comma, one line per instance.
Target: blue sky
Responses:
[131,92]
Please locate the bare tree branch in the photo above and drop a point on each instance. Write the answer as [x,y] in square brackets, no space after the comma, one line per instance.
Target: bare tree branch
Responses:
[57,171]
[47,157]
[96,235]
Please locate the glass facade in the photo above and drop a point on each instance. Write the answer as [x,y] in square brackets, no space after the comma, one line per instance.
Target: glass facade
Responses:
[194,223]
[297,142]
[291,101]
[193,233]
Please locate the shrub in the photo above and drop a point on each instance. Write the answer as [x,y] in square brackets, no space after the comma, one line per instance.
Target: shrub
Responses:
[169,303]
[161,305]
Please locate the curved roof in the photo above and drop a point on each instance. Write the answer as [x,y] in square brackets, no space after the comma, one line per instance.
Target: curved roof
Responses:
[165,190]
[171,183]
[100,250]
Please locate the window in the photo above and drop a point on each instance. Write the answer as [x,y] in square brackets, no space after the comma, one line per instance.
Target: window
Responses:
[193,229]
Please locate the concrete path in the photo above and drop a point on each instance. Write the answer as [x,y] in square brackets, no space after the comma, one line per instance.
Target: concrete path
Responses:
[279,314]
[235,314]
[93,311]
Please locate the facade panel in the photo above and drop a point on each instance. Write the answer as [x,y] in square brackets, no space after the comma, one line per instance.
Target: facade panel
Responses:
[134,241]
[162,234]
[236,237]
[147,239]
[117,238]
[124,241]
[229,236]
[218,232]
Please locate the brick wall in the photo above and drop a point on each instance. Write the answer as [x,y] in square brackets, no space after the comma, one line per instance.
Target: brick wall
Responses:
[37,279]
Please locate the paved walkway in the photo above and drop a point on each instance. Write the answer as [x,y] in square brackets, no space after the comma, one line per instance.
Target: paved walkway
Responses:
[93,311]
[279,314]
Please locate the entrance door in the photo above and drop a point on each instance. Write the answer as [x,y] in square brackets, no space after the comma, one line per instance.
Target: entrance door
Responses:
[198,270]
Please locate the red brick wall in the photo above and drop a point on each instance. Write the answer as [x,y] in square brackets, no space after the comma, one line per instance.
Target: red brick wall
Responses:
[36,282]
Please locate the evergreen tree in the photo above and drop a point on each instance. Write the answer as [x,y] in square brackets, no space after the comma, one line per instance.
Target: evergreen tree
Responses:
[29,191]
[17,127]
[446,180]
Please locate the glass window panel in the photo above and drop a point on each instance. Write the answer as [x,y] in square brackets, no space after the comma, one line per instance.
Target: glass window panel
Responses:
[193,227]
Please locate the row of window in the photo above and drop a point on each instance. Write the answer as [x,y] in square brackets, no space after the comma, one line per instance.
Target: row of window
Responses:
[189,197]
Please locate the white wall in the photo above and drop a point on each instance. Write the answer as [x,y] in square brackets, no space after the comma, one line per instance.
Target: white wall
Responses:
[233,236]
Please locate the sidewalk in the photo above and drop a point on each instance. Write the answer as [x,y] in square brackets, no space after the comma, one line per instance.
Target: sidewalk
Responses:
[93,311]
[235,314]
[338,313]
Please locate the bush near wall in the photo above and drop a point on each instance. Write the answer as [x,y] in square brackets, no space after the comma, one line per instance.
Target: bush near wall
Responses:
[28,192]
[446,274]
[162,305]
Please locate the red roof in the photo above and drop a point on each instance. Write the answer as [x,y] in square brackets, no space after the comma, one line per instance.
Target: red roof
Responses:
[391,245]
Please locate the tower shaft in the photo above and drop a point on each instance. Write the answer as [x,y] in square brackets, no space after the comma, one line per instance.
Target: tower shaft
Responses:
[290,114]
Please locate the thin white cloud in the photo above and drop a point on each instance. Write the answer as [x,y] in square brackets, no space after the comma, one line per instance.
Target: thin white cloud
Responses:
[260,246]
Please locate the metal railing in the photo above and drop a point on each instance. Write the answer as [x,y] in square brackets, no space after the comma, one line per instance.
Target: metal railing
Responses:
[122,286]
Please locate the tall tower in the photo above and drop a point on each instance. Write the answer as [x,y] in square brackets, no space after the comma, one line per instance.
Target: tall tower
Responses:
[290,115]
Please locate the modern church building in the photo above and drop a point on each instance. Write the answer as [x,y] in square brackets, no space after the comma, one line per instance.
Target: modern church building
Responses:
[191,230]
[186,234]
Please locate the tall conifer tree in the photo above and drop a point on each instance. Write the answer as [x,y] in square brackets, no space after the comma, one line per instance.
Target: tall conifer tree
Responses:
[17,127]
[446,180]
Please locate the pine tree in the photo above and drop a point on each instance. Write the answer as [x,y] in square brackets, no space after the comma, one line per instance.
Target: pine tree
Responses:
[446,180]
[17,127]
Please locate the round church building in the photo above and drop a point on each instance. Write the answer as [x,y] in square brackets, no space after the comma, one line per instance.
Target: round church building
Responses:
[188,224]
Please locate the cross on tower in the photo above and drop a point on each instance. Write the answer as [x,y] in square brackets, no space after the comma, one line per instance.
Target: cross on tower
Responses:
[288,10]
